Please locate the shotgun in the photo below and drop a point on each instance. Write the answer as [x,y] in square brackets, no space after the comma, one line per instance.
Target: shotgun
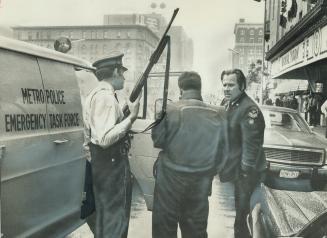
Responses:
[152,61]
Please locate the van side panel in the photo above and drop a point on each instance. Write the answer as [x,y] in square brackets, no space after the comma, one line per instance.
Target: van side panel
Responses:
[24,132]
[43,162]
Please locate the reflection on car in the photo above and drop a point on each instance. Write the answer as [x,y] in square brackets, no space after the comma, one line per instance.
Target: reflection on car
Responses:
[282,213]
[296,155]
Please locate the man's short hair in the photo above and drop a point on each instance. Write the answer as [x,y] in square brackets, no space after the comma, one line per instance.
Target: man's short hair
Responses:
[241,79]
[189,80]
[105,73]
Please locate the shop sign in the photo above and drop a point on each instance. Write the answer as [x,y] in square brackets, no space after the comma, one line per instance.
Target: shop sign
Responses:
[311,49]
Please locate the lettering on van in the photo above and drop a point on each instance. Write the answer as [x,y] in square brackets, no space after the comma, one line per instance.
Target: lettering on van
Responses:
[28,122]
[41,96]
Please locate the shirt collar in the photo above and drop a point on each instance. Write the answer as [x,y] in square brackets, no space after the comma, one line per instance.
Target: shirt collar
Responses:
[106,85]
[191,94]
[236,100]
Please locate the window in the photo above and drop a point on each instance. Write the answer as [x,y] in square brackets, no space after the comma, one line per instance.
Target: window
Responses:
[100,35]
[242,39]
[260,32]
[273,9]
[251,32]
[37,35]
[93,35]
[83,49]
[106,34]
[259,40]
[118,34]
[84,35]
[285,120]
[242,32]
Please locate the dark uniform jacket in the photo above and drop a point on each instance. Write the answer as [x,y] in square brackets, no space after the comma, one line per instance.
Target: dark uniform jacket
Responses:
[191,135]
[246,127]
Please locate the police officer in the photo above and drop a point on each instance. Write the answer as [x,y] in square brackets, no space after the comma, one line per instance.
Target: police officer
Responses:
[108,142]
[246,161]
[191,138]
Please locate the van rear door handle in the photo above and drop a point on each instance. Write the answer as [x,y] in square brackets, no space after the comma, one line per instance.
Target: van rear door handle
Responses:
[2,149]
[61,141]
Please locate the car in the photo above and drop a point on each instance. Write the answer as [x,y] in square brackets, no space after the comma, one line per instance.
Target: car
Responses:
[41,138]
[296,155]
[282,213]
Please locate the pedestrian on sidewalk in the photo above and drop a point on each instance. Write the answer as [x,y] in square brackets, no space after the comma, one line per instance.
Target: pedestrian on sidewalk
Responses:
[324,111]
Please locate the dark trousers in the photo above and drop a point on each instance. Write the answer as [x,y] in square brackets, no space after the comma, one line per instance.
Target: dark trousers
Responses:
[180,198]
[112,187]
[244,188]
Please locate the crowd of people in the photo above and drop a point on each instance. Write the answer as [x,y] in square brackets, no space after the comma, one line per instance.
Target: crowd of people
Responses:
[311,106]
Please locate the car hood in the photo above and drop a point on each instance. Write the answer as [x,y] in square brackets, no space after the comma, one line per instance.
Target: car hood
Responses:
[293,138]
[287,212]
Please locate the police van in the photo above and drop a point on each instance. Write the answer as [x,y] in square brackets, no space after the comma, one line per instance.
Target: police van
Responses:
[41,136]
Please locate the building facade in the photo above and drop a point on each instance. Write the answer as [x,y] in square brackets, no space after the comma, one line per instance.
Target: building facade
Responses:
[248,47]
[296,41]
[95,42]
[247,52]
[135,35]
[296,46]
[181,44]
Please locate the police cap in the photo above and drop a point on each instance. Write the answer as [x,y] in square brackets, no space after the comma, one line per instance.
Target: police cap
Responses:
[189,80]
[110,62]
[105,67]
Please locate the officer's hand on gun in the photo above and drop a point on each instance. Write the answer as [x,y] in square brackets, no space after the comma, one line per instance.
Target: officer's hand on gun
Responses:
[134,108]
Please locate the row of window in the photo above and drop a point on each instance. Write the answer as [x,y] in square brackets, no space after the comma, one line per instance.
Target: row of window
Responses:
[250,40]
[245,50]
[47,35]
[251,31]
[248,61]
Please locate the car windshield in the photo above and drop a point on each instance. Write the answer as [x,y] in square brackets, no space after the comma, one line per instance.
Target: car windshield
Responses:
[284,120]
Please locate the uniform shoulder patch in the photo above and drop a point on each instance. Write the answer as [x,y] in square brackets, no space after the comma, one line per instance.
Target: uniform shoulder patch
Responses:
[253,112]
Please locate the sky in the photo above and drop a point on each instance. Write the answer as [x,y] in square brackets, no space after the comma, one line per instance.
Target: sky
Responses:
[210,23]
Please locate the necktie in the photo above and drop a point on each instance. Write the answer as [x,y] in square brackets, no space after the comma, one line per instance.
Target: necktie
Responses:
[227,106]
[115,94]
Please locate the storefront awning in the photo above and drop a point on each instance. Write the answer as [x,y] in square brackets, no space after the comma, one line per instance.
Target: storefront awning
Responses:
[291,85]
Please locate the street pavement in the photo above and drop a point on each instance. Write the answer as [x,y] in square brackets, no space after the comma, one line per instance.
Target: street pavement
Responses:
[220,222]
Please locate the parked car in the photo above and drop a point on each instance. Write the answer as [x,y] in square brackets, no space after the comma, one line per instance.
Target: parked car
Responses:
[281,213]
[296,155]
[41,137]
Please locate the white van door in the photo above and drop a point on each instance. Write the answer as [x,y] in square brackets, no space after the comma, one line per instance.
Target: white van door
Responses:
[65,123]
[142,154]
[25,189]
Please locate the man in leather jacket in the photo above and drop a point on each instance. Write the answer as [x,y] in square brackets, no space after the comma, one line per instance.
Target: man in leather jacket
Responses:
[191,136]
